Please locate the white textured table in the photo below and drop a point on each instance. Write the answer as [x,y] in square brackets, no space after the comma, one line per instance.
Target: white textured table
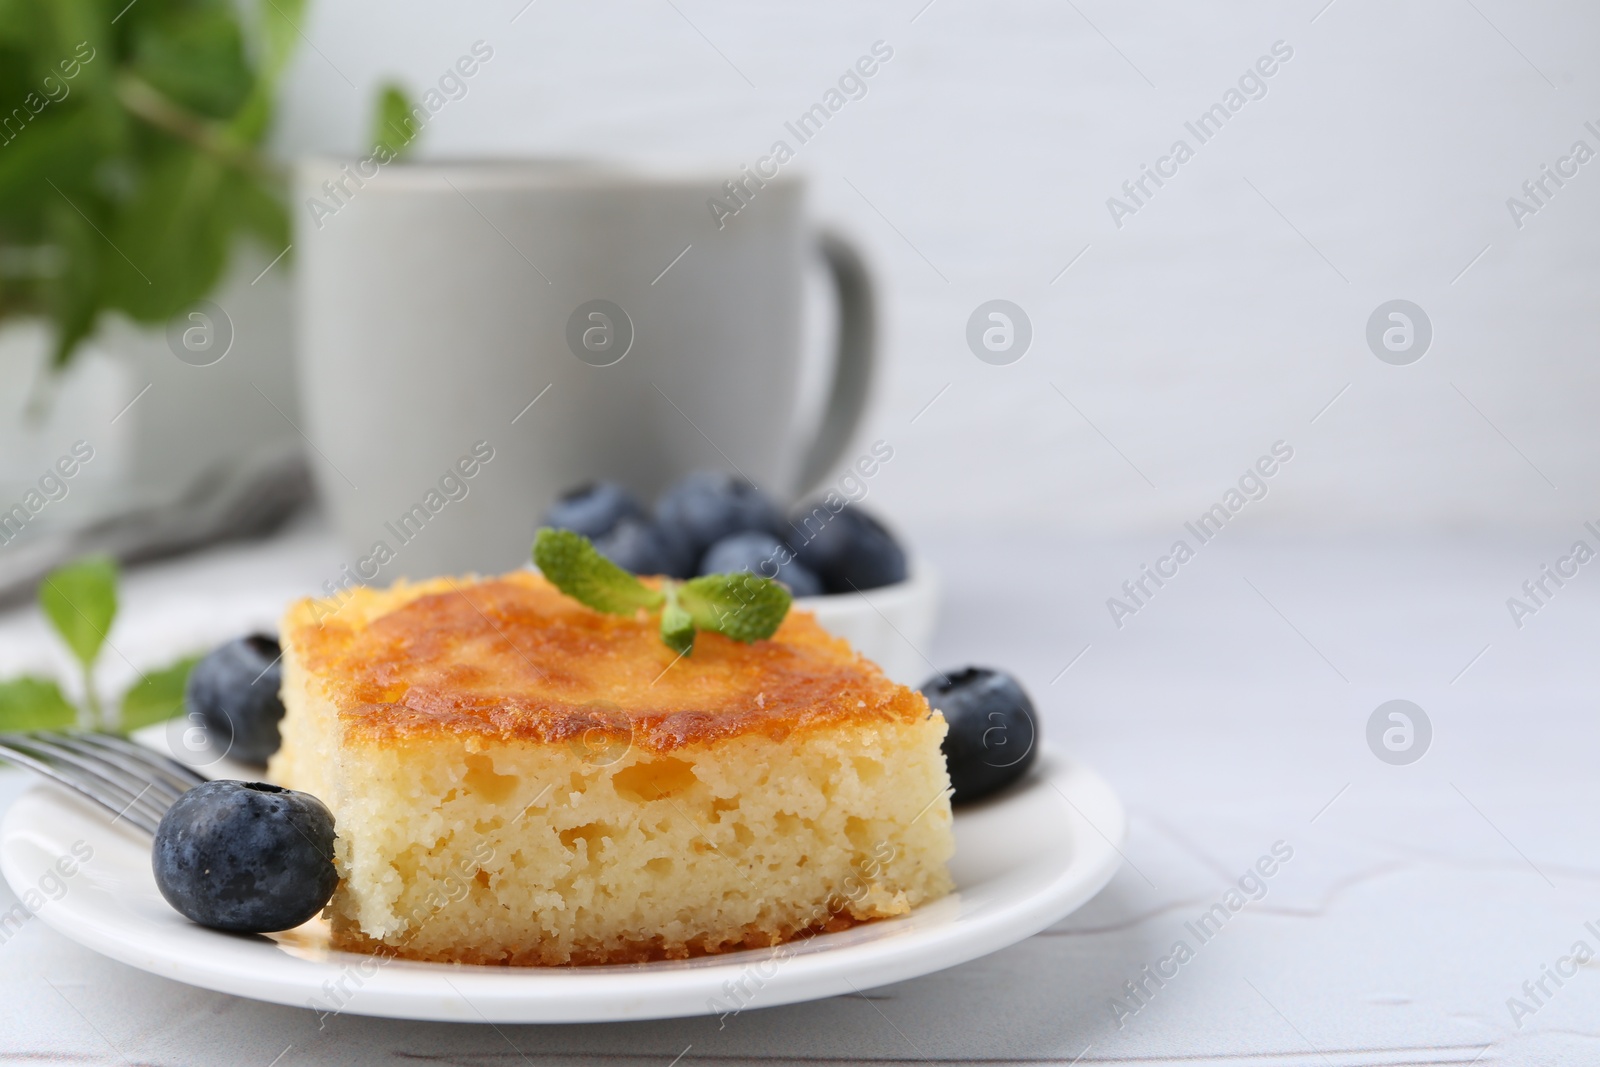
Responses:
[1231,714]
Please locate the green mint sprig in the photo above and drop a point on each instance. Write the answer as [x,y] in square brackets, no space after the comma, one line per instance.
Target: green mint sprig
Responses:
[134,156]
[80,602]
[743,606]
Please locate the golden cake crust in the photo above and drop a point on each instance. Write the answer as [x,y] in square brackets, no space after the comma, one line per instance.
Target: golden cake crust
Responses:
[512,658]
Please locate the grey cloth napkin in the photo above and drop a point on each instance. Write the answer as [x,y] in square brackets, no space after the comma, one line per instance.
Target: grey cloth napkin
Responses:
[248,498]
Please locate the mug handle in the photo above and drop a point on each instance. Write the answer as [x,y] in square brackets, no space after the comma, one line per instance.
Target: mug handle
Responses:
[855,352]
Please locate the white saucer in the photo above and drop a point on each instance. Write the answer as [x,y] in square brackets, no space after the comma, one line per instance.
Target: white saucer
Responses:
[1023,861]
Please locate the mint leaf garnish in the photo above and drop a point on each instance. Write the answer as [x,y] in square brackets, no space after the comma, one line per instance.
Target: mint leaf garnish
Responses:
[29,703]
[158,697]
[575,567]
[677,628]
[80,600]
[742,606]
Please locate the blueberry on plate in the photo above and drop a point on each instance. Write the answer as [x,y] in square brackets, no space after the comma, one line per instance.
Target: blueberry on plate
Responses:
[761,554]
[643,547]
[849,550]
[234,689]
[993,736]
[592,509]
[246,857]
[707,506]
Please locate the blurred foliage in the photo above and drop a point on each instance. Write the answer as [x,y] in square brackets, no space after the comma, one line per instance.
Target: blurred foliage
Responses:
[130,153]
[80,602]
[129,158]
[392,126]
[158,697]
[29,703]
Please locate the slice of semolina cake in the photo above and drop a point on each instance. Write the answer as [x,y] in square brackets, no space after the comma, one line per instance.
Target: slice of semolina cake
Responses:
[518,779]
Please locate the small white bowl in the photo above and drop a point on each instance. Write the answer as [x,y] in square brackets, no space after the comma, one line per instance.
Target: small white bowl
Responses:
[891,625]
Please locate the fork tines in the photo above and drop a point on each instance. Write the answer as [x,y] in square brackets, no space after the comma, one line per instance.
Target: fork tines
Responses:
[133,783]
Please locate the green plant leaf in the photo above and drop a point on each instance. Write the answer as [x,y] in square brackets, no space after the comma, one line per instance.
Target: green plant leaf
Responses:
[195,56]
[258,210]
[677,628]
[277,31]
[158,697]
[279,26]
[80,600]
[128,188]
[743,606]
[29,703]
[174,234]
[392,126]
[54,144]
[576,568]
[75,22]
[73,301]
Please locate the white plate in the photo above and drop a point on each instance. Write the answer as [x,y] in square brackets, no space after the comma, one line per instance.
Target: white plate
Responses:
[1023,861]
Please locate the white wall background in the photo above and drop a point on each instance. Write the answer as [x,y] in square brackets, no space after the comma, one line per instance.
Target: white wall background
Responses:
[1224,316]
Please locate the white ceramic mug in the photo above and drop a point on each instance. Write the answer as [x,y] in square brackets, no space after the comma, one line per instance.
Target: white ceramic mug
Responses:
[542,324]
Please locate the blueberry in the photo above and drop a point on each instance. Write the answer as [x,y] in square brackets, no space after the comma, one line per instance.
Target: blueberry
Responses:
[679,550]
[247,857]
[993,736]
[849,550]
[234,688]
[763,554]
[707,506]
[643,547]
[592,509]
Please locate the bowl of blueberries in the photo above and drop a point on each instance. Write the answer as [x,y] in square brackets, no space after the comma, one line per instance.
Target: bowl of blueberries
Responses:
[838,561]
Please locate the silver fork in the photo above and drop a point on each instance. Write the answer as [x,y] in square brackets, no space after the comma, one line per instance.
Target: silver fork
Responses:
[133,783]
